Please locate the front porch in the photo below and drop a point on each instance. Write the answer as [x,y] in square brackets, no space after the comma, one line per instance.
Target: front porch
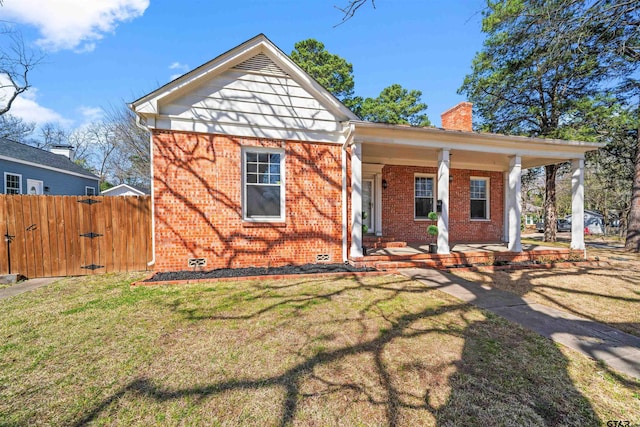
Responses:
[399,175]
[391,255]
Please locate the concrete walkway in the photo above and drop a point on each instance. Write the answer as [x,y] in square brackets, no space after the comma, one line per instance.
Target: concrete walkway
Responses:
[27,285]
[619,350]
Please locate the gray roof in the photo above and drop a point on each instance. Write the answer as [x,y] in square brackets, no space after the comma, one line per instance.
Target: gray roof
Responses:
[27,153]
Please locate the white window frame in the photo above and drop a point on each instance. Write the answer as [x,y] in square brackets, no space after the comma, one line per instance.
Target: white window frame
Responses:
[87,188]
[282,184]
[19,182]
[487,213]
[433,198]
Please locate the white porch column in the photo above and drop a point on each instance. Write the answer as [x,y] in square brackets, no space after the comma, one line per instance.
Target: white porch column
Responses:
[378,204]
[356,200]
[443,195]
[505,206]
[515,204]
[577,204]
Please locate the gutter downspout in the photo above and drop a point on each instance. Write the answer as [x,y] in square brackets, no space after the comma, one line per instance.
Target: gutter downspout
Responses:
[347,141]
[153,199]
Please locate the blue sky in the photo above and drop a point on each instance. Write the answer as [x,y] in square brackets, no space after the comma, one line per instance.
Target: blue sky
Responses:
[102,53]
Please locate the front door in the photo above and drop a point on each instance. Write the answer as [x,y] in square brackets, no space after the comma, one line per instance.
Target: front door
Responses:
[367,205]
[34,186]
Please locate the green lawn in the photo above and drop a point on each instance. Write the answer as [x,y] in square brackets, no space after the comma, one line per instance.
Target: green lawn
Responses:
[380,350]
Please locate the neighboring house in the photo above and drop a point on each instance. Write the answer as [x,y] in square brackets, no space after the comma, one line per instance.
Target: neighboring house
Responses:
[255,163]
[29,170]
[593,222]
[124,190]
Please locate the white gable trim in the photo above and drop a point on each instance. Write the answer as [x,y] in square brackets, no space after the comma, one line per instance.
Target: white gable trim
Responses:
[148,104]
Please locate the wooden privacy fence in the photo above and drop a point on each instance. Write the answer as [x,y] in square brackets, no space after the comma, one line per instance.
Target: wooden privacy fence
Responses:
[74,235]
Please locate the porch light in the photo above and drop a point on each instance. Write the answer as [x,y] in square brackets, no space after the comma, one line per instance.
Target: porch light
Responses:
[385,184]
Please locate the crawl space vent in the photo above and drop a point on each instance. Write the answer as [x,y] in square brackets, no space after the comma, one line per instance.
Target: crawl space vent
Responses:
[323,258]
[197,262]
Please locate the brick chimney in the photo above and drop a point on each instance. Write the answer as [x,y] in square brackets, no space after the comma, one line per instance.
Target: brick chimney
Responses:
[458,117]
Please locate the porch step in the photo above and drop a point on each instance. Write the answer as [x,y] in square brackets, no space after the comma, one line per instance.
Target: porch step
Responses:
[382,245]
[380,242]
[377,239]
[394,265]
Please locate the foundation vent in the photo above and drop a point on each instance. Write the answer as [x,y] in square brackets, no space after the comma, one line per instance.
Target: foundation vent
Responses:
[197,262]
[323,258]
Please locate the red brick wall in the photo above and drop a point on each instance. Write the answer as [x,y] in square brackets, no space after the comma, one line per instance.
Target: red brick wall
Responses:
[198,212]
[398,206]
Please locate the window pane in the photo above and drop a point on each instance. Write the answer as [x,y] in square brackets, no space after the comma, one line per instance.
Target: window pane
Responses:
[12,184]
[252,178]
[478,189]
[423,207]
[274,158]
[263,201]
[263,157]
[423,186]
[263,168]
[252,157]
[274,179]
[252,167]
[478,209]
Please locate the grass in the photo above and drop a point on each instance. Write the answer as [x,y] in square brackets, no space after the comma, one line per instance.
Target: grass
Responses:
[609,295]
[373,351]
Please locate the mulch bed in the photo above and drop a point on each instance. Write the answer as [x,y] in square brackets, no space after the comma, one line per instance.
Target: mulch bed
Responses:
[256,271]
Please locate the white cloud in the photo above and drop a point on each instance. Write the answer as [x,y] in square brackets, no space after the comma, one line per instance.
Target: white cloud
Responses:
[178,66]
[91,114]
[181,68]
[73,24]
[27,108]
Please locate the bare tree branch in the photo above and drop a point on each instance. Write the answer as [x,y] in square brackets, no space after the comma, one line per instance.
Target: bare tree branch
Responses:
[16,61]
[351,8]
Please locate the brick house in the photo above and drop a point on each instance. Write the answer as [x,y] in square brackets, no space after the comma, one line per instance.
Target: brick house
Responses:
[255,164]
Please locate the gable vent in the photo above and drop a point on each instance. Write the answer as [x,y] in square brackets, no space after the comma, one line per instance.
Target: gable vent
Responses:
[261,63]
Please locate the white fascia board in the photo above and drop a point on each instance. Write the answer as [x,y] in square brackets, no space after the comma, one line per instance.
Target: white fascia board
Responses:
[51,168]
[471,141]
[259,44]
[247,130]
[509,149]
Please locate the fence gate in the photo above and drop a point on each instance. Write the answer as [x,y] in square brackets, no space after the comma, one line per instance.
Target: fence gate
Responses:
[74,235]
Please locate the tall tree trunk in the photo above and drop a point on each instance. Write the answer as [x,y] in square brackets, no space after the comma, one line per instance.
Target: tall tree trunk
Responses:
[633,224]
[550,210]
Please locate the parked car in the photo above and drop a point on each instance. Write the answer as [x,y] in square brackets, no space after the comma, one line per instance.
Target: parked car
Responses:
[562,225]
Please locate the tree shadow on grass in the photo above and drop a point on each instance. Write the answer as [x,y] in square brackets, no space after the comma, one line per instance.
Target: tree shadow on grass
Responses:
[444,363]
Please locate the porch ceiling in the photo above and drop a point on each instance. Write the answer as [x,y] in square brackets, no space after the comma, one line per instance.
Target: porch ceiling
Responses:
[460,159]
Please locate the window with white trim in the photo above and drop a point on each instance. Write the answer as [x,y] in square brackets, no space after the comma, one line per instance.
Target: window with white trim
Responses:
[423,195]
[479,198]
[263,184]
[12,183]
[89,191]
